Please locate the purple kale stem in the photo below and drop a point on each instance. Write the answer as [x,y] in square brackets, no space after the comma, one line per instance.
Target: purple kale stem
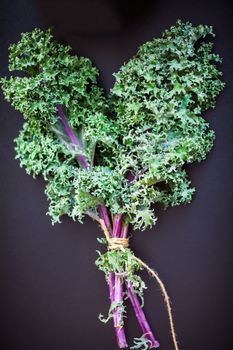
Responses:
[111,283]
[119,322]
[120,333]
[115,283]
[104,213]
[68,129]
[72,136]
[141,316]
[124,231]
[147,332]
[82,160]
[117,225]
[116,293]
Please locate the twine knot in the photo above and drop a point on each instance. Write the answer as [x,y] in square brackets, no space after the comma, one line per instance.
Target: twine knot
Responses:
[114,242]
[117,243]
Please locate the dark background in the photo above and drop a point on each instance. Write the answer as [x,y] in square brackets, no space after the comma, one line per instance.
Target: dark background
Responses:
[51,292]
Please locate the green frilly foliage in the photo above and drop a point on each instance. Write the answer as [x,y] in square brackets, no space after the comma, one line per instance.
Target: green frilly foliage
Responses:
[123,264]
[141,343]
[159,98]
[136,141]
[53,77]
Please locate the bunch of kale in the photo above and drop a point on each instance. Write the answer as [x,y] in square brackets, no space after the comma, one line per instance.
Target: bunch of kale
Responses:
[115,156]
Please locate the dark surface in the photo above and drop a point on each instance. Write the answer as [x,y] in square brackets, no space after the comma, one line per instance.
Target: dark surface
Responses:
[51,292]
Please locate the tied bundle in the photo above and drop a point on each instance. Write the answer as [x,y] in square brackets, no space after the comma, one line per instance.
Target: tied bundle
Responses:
[114,157]
[122,243]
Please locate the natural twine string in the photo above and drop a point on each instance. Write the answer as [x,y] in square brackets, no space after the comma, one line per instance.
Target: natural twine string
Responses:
[121,244]
[118,243]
